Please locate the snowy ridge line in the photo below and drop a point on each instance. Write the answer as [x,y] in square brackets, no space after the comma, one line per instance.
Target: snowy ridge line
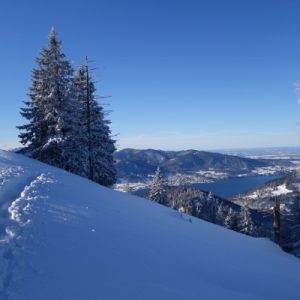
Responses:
[18,210]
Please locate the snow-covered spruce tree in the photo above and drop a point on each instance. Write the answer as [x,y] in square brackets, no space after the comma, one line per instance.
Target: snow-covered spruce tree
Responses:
[158,192]
[212,207]
[97,145]
[49,135]
[245,222]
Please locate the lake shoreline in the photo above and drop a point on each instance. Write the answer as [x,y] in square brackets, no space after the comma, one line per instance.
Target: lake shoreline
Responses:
[226,188]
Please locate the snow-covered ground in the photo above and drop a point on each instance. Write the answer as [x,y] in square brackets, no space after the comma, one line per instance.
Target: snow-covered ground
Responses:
[272,170]
[281,190]
[171,180]
[270,192]
[66,238]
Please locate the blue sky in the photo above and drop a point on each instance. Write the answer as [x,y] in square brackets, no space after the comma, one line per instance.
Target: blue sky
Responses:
[182,74]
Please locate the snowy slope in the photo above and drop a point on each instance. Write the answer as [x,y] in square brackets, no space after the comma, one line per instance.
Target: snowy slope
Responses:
[66,238]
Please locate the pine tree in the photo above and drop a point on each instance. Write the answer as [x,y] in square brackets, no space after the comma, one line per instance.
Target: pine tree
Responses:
[49,135]
[66,126]
[158,192]
[245,221]
[212,207]
[97,145]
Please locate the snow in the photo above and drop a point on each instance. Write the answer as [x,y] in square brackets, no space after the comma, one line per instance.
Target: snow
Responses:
[281,190]
[66,238]
[270,192]
[253,196]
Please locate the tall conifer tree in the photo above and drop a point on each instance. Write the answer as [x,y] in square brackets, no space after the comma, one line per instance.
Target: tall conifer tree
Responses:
[66,126]
[98,146]
[50,111]
[158,192]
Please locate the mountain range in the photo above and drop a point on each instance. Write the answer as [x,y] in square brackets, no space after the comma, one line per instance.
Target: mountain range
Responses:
[132,163]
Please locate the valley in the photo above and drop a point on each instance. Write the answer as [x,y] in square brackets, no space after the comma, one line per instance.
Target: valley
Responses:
[201,169]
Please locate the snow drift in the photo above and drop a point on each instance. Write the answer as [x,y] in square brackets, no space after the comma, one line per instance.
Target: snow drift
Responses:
[66,238]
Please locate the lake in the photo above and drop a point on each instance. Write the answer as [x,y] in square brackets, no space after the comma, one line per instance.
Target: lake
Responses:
[227,187]
[230,187]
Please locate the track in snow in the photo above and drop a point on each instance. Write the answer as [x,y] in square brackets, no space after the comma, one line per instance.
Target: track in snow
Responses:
[14,187]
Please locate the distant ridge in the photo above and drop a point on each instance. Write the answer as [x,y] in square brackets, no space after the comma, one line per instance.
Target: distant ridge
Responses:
[132,162]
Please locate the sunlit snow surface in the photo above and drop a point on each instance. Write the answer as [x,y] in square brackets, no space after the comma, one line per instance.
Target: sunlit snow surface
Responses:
[270,192]
[66,238]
